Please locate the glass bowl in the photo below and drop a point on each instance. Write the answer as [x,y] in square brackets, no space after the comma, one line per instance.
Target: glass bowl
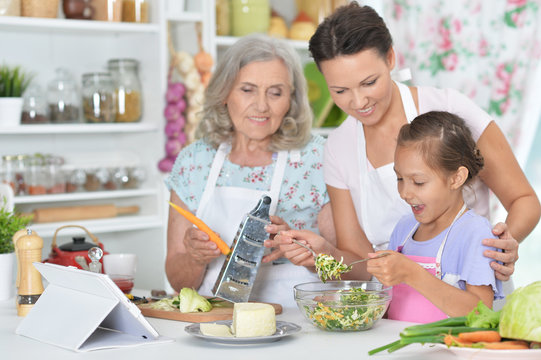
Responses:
[342,305]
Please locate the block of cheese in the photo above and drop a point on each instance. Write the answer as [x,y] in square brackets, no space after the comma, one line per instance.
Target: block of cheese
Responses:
[253,319]
[212,329]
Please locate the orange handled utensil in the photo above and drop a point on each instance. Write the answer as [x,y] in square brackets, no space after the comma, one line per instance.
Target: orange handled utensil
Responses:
[203,227]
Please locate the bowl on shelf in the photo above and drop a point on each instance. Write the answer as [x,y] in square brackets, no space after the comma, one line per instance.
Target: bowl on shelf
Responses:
[342,305]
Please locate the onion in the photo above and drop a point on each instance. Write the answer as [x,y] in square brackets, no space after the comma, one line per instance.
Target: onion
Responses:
[166,164]
[172,147]
[181,104]
[175,92]
[171,112]
[173,129]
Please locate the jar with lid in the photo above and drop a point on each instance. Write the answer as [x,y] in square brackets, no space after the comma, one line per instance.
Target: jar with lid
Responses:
[135,11]
[77,9]
[10,7]
[98,98]
[249,16]
[76,178]
[14,170]
[55,179]
[127,89]
[63,98]
[34,106]
[35,175]
[107,10]
[136,175]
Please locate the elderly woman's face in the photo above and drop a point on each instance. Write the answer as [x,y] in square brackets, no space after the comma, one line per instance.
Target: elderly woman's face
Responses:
[259,99]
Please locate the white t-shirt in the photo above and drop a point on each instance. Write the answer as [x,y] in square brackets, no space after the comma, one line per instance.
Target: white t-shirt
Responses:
[342,165]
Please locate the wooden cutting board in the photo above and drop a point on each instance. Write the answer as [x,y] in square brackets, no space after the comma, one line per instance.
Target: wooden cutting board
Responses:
[217,313]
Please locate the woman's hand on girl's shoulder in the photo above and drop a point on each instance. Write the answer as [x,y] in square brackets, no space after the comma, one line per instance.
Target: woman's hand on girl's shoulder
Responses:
[508,255]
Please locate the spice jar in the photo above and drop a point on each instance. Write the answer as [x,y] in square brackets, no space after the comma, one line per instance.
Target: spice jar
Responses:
[63,98]
[55,179]
[39,8]
[107,10]
[98,98]
[249,16]
[135,11]
[14,168]
[35,174]
[127,89]
[77,9]
[10,7]
[75,180]
[222,18]
[34,106]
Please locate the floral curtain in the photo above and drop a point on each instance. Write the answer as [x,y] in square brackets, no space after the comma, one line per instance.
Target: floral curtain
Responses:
[489,50]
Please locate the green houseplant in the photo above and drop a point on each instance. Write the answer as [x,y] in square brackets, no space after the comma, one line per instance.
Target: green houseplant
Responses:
[10,223]
[13,83]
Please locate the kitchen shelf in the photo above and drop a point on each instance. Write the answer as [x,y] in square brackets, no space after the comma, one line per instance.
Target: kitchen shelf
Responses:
[100,226]
[81,26]
[90,195]
[79,128]
[224,41]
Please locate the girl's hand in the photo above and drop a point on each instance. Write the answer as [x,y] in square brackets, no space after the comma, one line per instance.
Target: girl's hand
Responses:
[509,254]
[390,270]
[199,246]
[297,254]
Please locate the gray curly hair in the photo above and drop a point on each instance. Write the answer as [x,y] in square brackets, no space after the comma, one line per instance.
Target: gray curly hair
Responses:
[216,125]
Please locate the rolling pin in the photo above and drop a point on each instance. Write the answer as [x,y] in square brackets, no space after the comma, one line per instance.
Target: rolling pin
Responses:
[82,212]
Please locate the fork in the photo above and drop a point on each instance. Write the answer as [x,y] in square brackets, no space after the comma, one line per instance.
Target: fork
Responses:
[355,262]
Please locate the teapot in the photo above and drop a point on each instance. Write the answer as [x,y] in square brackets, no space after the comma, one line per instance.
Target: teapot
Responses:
[74,253]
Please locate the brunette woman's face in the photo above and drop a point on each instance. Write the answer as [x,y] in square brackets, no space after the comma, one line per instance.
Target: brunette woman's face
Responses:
[360,84]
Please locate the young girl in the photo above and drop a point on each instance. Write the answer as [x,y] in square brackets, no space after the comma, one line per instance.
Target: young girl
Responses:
[437,268]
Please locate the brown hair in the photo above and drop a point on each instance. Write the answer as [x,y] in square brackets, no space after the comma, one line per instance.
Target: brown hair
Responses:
[349,30]
[444,141]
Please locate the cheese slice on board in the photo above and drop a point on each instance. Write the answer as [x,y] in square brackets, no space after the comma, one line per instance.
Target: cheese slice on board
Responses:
[253,319]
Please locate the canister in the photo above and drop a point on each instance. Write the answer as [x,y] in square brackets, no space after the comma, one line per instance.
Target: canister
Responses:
[249,16]
[127,89]
[98,98]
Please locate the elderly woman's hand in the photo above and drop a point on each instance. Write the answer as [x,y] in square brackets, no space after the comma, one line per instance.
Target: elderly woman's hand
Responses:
[509,255]
[199,246]
[277,224]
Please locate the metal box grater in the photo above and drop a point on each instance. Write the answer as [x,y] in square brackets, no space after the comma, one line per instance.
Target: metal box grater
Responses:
[240,267]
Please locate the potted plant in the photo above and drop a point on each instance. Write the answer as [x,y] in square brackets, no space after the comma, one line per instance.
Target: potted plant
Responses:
[10,223]
[13,82]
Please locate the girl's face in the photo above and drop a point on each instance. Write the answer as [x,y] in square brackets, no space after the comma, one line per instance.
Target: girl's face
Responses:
[361,84]
[259,99]
[433,197]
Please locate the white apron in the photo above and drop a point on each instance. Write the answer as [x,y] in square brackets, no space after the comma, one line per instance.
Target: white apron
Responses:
[381,205]
[222,208]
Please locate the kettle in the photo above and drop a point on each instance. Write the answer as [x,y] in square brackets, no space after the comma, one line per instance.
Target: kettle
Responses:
[68,254]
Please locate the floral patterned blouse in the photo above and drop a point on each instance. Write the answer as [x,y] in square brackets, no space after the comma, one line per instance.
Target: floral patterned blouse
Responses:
[303,191]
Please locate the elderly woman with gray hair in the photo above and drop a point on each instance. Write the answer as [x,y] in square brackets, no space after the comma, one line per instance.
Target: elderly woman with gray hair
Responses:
[254,139]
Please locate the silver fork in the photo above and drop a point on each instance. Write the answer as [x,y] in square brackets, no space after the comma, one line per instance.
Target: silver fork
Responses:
[355,262]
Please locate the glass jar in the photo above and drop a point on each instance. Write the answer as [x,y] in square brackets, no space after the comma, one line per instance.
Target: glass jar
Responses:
[34,106]
[107,10]
[92,182]
[55,178]
[14,172]
[63,98]
[75,180]
[98,98]
[136,175]
[10,7]
[249,16]
[135,11]
[222,18]
[127,89]
[36,175]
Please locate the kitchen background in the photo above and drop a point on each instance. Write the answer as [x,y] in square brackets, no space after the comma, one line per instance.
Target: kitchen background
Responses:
[489,50]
